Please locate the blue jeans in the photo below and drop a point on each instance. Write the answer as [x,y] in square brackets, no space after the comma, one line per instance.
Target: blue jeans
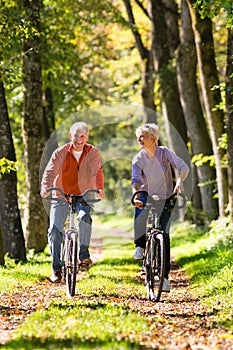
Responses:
[140,220]
[58,215]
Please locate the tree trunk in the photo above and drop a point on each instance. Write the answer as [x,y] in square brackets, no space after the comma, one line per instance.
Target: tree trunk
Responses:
[33,132]
[148,84]
[11,227]
[198,133]
[229,118]
[166,71]
[148,80]
[2,261]
[211,96]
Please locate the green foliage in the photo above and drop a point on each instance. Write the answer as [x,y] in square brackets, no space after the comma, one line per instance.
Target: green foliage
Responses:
[6,166]
[212,8]
[200,159]
[222,142]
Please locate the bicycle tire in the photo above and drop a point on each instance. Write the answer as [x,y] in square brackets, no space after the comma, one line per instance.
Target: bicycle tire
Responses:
[63,258]
[71,264]
[155,266]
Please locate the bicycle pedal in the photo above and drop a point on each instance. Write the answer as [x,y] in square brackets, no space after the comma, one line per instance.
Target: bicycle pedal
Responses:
[85,264]
[143,271]
[83,267]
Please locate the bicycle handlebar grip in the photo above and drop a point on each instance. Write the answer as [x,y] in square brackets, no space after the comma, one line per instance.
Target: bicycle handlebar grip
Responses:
[136,193]
[176,195]
[50,189]
[169,198]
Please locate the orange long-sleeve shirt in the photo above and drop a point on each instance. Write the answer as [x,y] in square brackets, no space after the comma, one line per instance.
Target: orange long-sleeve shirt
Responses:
[74,177]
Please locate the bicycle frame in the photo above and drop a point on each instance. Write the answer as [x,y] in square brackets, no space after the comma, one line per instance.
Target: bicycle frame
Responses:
[71,243]
[154,253]
[154,257]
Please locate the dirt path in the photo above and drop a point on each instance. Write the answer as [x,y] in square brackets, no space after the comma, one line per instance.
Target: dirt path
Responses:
[178,322]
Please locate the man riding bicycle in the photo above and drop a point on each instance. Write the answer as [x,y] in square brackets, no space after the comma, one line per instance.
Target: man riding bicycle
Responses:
[74,167]
[151,172]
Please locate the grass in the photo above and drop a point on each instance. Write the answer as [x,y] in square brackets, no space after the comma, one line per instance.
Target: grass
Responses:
[98,318]
[207,258]
[24,274]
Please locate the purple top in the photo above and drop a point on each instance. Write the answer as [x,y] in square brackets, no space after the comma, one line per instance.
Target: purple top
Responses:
[155,176]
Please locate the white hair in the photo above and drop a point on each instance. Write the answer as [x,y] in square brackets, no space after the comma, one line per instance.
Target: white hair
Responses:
[80,126]
[150,128]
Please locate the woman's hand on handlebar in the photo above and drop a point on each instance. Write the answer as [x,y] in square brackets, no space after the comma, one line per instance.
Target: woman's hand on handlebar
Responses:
[138,203]
[179,186]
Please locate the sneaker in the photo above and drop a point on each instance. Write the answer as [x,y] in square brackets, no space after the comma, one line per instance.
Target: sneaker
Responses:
[55,277]
[166,286]
[85,264]
[138,255]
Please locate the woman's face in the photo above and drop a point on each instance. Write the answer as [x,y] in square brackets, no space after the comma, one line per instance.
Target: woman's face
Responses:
[78,139]
[145,139]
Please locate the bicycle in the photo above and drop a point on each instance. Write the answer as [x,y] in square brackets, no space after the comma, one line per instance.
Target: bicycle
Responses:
[71,237]
[154,253]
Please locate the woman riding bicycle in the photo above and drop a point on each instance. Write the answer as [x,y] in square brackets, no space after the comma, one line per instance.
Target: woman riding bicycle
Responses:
[151,172]
[74,167]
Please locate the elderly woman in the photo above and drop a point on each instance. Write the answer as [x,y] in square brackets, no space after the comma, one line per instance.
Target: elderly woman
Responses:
[152,172]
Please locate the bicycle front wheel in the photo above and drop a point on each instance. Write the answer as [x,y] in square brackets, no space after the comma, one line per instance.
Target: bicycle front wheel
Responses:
[71,263]
[155,266]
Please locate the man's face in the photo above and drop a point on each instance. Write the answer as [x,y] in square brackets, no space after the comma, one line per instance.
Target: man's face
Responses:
[79,139]
[144,139]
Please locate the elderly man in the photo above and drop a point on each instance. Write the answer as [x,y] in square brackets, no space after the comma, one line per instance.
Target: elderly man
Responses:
[74,167]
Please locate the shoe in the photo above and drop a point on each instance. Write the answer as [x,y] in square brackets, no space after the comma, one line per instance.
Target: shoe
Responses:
[138,255]
[166,286]
[55,277]
[85,264]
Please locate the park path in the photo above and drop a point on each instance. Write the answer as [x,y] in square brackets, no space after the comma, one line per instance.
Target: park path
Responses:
[178,322]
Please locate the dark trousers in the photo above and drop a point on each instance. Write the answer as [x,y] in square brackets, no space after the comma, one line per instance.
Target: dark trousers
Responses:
[140,221]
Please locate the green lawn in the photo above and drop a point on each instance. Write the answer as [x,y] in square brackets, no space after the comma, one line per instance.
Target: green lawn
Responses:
[99,316]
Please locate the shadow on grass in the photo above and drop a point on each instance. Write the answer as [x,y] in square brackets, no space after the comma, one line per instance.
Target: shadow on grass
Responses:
[117,261]
[118,264]
[184,238]
[69,343]
[212,259]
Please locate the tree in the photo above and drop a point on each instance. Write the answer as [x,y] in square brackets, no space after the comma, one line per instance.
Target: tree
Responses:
[166,71]
[33,132]
[148,72]
[211,96]
[198,133]
[229,118]
[2,261]
[10,220]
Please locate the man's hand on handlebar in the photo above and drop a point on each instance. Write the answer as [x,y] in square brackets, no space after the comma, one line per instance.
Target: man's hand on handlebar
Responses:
[100,194]
[44,193]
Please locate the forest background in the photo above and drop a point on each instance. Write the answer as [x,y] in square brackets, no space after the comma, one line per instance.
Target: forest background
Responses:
[115,64]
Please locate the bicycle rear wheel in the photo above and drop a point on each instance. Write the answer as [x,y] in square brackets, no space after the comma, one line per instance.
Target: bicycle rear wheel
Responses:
[71,263]
[155,266]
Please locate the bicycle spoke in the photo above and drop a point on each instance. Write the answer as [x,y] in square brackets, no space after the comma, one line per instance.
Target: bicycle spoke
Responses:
[155,266]
[71,264]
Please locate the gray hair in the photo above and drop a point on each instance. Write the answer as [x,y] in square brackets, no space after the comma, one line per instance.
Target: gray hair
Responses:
[81,126]
[150,128]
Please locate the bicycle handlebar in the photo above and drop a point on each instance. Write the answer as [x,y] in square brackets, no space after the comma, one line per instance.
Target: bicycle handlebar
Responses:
[151,200]
[84,196]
